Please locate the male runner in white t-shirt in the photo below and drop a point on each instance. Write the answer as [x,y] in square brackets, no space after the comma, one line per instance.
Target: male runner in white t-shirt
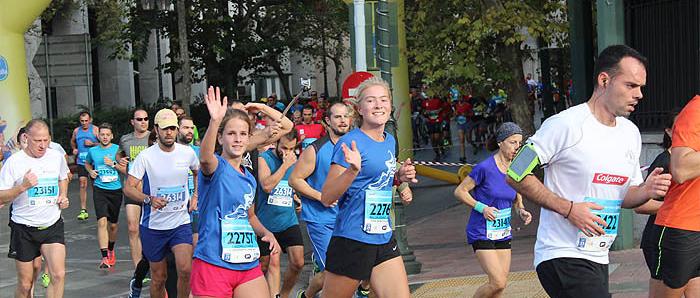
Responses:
[165,221]
[35,180]
[590,154]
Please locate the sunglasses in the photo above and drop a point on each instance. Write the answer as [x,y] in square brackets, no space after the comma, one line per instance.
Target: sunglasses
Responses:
[141,119]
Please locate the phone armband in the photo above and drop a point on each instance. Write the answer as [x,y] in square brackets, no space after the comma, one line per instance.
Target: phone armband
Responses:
[524,163]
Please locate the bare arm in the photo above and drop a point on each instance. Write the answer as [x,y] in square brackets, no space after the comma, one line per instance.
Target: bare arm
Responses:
[685,164]
[337,182]
[462,192]
[534,190]
[655,186]
[9,195]
[261,231]
[650,207]
[277,129]
[207,160]
[304,168]
[73,144]
[269,180]
[578,214]
[132,191]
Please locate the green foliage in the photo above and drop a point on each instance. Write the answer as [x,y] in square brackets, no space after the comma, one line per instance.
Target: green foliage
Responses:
[457,42]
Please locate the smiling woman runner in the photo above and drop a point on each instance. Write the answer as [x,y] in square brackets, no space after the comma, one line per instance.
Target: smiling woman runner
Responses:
[489,229]
[226,257]
[360,178]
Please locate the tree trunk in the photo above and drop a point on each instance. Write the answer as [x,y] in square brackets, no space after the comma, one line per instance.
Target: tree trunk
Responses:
[517,94]
[185,69]
[338,69]
[280,73]
[37,92]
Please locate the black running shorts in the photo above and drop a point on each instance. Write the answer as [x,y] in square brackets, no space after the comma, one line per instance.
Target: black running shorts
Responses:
[574,278]
[356,259]
[289,237]
[26,241]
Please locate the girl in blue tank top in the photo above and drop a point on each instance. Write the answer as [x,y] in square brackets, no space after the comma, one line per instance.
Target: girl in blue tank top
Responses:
[362,173]
[493,202]
[227,252]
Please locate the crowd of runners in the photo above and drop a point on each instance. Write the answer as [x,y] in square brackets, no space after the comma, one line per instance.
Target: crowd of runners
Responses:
[212,216]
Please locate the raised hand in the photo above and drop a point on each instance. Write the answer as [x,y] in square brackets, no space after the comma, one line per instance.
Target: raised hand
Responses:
[289,159]
[407,172]
[216,107]
[352,156]
[30,180]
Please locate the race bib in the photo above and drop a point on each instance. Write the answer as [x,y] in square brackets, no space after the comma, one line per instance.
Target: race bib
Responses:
[282,195]
[107,174]
[176,197]
[500,227]
[377,208]
[611,215]
[238,241]
[190,182]
[45,193]
[82,156]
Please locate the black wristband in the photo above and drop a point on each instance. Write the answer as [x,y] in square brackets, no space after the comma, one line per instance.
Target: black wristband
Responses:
[570,207]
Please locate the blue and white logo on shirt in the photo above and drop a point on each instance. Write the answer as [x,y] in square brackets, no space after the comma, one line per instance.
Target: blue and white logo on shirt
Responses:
[241,211]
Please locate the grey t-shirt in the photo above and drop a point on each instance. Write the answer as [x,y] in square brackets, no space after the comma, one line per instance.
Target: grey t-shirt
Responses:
[132,146]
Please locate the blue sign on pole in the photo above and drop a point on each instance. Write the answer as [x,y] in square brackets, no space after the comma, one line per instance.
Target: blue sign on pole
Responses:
[4,70]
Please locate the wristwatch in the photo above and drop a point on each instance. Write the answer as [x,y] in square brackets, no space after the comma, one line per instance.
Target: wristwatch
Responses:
[147,200]
[114,164]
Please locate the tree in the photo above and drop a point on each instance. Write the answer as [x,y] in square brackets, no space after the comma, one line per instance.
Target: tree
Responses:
[328,19]
[478,44]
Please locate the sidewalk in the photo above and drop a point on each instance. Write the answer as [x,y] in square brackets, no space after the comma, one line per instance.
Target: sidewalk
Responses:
[450,268]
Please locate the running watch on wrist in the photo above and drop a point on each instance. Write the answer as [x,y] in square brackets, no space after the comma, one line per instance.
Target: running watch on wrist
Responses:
[147,200]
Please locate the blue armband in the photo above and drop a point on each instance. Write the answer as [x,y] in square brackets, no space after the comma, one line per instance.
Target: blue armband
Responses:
[524,163]
[479,207]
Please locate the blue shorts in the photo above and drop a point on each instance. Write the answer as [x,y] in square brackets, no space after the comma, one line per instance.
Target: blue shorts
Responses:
[320,236]
[156,243]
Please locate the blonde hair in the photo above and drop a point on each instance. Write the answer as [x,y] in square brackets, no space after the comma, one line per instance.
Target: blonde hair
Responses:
[371,82]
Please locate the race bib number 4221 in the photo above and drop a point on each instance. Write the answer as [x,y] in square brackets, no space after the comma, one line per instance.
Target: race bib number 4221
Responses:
[611,215]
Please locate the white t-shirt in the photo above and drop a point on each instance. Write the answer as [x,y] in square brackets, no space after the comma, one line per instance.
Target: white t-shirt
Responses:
[36,207]
[57,147]
[585,159]
[164,175]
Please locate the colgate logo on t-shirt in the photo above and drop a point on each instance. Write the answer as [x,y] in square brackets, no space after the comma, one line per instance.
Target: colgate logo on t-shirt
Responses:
[603,178]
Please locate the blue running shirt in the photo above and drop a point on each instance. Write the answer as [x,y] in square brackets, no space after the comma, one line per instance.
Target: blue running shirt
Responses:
[313,210]
[375,180]
[80,137]
[276,209]
[226,194]
[492,190]
[107,176]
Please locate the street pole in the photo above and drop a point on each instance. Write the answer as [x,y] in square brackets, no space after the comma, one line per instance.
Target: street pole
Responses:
[394,69]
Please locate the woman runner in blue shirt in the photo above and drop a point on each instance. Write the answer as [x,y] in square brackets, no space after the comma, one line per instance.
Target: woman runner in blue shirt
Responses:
[226,258]
[489,229]
[363,170]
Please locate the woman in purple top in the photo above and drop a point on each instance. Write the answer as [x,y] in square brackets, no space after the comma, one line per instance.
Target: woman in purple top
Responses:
[492,201]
